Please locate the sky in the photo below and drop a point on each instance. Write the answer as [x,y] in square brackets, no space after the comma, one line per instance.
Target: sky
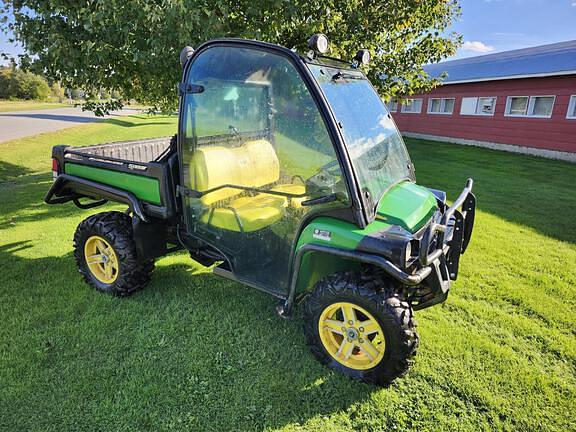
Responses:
[501,25]
[490,25]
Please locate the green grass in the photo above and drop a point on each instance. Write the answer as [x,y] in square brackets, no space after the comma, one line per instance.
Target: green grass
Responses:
[9,106]
[194,352]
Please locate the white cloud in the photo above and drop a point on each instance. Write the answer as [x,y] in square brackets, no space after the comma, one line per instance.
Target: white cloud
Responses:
[477,46]
[574,3]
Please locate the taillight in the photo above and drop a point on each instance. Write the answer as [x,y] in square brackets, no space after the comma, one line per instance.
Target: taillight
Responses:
[54,168]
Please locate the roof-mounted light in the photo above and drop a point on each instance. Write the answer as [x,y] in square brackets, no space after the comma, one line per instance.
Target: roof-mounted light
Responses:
[185,54]
[318,43]
[362,57]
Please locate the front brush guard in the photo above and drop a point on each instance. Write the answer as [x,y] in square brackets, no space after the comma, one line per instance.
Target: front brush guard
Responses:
[444,241]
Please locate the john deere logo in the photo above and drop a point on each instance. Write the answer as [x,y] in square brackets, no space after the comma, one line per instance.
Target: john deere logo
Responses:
[322,235]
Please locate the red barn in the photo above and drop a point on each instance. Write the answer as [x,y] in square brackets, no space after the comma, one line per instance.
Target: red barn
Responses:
[522,100]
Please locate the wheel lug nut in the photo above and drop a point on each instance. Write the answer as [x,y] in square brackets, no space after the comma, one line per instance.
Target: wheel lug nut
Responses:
[350,322]
[361,340]
[344,329]
[361,329]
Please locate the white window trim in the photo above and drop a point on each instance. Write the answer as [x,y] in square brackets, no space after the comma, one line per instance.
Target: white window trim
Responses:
[412,112]
[442,106]
[483,114]
[571,108]
[530,106]
[509,103]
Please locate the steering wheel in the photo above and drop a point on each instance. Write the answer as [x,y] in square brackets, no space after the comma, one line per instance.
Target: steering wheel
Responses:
[326,178]
[377,157]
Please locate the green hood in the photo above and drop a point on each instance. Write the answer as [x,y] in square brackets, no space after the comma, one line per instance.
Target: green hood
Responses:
[407,205]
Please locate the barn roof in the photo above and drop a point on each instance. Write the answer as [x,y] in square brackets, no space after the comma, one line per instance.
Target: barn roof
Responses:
[540,61]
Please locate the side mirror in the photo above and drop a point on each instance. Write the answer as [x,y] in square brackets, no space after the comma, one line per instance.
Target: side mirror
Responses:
[185,54]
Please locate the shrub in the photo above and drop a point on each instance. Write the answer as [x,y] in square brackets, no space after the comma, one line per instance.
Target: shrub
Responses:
[17,84]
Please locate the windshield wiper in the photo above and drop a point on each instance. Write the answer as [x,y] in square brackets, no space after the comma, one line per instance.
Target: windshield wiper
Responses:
[343,75]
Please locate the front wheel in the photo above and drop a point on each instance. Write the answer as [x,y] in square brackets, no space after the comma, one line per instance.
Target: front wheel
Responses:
[359,329]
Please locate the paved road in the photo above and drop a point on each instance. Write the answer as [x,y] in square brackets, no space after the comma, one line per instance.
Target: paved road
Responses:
[25,123]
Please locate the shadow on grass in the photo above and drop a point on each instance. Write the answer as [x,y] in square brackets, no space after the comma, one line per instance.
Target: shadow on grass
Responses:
[124,123]
[10,171]
[529,191]
[191,349]
[22,196]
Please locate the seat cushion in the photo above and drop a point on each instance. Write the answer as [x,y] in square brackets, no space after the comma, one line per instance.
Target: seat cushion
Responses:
[253,164]
[295,189]
[247,214]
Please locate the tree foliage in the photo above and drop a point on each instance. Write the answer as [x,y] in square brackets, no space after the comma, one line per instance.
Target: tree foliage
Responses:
[132,46]
[18,84]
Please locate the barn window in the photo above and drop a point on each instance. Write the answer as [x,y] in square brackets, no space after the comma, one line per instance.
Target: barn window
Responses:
[392,105]
[412,106]
[486,105]
[517,106]
[572,108]
[478,106]
[541,106]
[530,106]
[440,106]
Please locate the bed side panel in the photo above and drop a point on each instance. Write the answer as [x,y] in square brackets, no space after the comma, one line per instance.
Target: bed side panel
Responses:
[144,188]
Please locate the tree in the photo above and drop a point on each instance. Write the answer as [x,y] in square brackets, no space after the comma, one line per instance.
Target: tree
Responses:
[57,91]
[18,84]
[132,46]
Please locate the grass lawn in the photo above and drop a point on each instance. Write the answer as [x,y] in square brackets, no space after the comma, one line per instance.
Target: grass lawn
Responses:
[194,352]
[9,106]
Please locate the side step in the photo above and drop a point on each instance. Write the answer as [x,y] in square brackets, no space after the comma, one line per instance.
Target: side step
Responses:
[225,273]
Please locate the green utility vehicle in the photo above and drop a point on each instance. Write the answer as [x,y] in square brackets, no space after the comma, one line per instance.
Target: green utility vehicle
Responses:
[287,174]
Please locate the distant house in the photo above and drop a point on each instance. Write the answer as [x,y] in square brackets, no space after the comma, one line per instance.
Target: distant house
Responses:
[522,100]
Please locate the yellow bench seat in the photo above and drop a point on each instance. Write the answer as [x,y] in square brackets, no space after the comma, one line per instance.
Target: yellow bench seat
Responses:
[294,189]
[247,214]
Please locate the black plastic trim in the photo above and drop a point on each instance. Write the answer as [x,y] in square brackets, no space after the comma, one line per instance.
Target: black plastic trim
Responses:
[82,187]
[222,272]
[384,264]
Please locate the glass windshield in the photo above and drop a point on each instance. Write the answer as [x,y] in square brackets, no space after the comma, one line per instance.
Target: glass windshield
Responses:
[377,151]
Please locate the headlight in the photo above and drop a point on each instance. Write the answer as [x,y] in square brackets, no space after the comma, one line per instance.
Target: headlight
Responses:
[411,252]
[362,57]
[408,253]
[318,43]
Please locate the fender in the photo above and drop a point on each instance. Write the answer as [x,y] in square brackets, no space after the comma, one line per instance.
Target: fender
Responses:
[407,279]
[87,188]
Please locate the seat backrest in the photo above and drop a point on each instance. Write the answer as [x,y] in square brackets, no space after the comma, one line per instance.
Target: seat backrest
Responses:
[253,164]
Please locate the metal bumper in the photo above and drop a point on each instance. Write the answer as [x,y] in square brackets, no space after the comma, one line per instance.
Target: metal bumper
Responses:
[448,238]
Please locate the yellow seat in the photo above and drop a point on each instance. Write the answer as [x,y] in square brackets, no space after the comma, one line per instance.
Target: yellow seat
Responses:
[253,164]
[247,214]
[294,189]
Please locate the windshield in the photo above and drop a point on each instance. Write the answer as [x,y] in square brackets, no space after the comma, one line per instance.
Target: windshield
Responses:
[374,144]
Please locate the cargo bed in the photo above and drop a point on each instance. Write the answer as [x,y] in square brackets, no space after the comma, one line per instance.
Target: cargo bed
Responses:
[141,173]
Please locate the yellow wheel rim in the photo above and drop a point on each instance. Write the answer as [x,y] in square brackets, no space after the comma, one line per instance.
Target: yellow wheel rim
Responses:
[351,335]
[101,259]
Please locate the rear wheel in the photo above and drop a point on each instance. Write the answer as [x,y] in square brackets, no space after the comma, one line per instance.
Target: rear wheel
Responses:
[359,329]
[106,255]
